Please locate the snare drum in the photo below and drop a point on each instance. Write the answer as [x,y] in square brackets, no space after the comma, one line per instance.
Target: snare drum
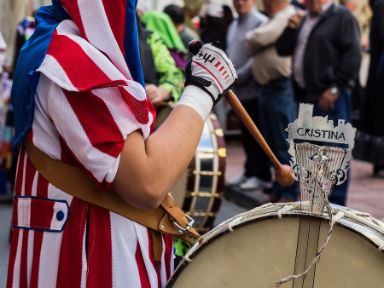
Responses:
[257,248]
[199,189]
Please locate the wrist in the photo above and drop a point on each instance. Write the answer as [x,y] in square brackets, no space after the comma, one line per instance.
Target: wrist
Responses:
[205,85]
[197,99]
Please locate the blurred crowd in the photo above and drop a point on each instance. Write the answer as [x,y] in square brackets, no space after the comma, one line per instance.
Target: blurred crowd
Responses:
[284,52]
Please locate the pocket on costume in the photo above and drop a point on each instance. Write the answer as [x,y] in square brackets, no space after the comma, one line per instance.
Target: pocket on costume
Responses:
[41,214]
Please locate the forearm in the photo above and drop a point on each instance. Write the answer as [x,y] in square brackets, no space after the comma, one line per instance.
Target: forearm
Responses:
[264,36]
[148,169]
[172,147]
[146,174]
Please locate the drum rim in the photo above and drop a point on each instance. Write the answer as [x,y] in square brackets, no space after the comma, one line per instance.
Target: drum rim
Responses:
[270,215]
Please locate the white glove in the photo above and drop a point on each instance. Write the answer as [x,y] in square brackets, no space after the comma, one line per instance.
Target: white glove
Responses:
[210,71]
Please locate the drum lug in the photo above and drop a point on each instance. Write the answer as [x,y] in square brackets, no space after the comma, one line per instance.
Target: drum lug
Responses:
[181,229]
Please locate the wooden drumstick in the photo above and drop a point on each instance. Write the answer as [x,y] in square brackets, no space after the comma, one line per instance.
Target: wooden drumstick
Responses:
[284,173]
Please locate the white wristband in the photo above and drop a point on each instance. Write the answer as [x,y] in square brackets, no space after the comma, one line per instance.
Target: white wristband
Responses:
[197,99]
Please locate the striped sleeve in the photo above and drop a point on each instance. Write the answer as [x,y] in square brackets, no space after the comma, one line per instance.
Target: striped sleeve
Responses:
[75,65]
[92,104]
[93,124]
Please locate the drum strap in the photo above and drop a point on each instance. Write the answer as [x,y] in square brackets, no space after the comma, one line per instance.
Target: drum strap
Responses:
[168,218]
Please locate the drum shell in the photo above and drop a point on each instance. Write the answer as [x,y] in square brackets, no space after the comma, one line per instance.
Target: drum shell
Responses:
[205,185]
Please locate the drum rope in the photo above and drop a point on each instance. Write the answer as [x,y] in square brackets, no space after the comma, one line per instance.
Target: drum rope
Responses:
[324,179]
[316,259]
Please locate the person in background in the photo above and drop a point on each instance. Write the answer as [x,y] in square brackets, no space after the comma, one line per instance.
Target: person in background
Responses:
[215,23]
[176,13]
[363,14]
[7,155]
[325,45]
[298,4]
[277,107]
[162,24]
[24,30]
[164,82]
[257,172]
[373,111]
[5,87]
[192,9]
[214,26]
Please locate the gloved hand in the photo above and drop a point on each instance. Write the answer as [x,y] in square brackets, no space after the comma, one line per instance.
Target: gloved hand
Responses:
[210,70]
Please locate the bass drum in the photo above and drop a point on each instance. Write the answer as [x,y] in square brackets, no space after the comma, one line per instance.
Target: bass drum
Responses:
[199,190]
[258,248]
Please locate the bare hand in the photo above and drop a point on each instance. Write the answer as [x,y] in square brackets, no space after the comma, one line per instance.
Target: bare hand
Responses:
[156,94]
[327,100]
[295,20]
[152,91]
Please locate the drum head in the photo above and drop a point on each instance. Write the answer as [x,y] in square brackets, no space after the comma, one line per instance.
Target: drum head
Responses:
[260,252]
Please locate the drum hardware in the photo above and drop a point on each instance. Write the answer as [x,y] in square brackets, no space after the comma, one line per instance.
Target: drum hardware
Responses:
[201,214]
[222,152]
[219,132]
[207,173]
[181,229]
[204,194]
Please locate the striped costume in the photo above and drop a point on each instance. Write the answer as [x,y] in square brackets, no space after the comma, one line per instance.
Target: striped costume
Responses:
[87,99]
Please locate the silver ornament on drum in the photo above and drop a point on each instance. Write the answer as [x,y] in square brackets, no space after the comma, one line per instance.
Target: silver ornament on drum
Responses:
[321,153]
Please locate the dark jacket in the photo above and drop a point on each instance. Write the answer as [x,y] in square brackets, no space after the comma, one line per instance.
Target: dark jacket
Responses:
[146,55]
[373,113]
[332,55]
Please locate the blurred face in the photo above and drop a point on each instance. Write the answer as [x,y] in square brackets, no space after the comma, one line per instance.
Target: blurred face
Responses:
[351,5]
[243,6]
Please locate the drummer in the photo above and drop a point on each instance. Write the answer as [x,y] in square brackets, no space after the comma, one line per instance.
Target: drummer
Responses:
[78,97]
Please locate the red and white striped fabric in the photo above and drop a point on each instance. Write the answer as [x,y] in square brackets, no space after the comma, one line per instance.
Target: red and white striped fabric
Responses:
[86,105]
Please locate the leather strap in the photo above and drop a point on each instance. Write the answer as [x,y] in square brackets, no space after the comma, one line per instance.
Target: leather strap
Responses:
[168,218]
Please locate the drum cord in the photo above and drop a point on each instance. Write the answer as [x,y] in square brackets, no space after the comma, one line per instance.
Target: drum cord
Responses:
[316,259]
[323,187]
